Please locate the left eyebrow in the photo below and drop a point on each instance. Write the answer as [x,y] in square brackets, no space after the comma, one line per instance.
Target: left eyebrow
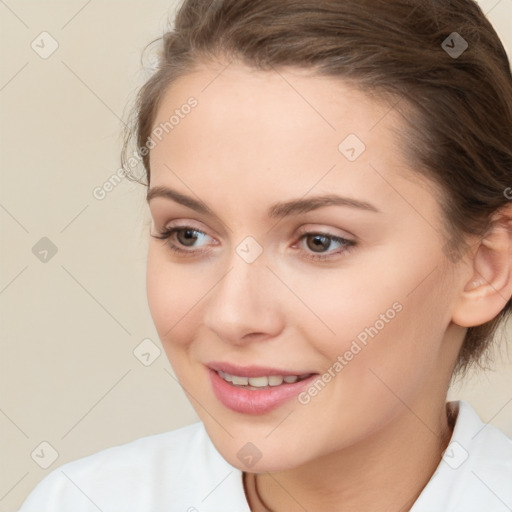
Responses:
[297,206]
[277,210]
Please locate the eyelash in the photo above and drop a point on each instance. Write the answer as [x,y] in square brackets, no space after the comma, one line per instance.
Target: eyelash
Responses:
[348,245]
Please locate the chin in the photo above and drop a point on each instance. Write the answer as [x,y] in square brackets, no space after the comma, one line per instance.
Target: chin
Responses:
[250,451]
[270,461]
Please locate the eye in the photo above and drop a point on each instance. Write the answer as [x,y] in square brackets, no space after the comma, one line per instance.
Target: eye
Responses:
[318,244]
[186,236]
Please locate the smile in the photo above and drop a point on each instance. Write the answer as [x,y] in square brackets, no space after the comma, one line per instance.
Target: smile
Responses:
[256,389]
[262,382]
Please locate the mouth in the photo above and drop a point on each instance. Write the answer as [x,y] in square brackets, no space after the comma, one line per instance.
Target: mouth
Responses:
[263,382]
[256,389]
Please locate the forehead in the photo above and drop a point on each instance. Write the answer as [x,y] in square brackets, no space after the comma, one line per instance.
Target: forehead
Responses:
[280,131]
[265,106]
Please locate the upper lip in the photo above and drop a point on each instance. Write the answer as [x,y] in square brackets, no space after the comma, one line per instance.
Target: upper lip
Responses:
[252,370]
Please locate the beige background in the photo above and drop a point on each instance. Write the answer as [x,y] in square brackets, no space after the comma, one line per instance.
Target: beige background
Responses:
[70,325]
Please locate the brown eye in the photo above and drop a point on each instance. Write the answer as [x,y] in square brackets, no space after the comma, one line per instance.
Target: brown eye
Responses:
[318,245]
[186,237]
[182,240]
[318,242]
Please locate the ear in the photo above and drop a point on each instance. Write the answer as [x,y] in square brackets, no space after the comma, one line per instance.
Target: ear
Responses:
[486,293]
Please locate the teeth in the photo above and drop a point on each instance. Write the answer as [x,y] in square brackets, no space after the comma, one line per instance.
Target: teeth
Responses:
[240,381]
[258,382]
[275,380]
[261,382]
[226,376]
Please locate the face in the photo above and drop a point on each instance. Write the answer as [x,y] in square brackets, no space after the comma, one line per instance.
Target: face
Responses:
[299,245]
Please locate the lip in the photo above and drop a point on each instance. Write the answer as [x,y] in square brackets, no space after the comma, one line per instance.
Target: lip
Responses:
[255,401]
[251,371]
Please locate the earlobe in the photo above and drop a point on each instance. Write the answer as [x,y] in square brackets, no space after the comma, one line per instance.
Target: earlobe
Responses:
[489,288]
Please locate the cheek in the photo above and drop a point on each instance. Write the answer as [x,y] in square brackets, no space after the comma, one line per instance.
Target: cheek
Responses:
[384,351]
[171,295]
[385,318]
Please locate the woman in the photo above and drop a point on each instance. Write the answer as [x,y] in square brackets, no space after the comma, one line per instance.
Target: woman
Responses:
[330,245]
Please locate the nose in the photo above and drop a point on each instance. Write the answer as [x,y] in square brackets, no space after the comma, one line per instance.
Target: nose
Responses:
[244,305]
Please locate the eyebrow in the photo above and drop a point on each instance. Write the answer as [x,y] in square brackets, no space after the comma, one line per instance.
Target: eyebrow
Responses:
[278,210]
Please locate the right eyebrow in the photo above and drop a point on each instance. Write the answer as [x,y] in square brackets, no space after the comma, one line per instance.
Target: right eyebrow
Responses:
[178,197]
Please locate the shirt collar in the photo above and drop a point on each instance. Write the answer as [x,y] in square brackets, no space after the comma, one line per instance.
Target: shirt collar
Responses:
[465,473]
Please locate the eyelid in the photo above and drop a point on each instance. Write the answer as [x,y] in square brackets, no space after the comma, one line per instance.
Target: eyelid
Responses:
[334,232]
[304,229]
[182,224]
[160,210]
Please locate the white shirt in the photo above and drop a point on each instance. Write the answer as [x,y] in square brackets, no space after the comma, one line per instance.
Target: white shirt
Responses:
[181,471]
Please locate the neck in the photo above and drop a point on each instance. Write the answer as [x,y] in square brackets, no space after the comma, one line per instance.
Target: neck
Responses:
[384,473]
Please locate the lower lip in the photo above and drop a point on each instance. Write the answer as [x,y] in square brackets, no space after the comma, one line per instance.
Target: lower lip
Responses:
[255,401]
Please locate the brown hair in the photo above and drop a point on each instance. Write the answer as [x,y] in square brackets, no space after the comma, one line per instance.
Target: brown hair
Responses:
[458,107]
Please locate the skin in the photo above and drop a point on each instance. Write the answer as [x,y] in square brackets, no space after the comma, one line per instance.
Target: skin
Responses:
[372,438]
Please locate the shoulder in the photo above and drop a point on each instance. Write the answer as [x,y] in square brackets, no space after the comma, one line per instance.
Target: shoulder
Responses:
[475,472]
[167,450]
[167,471]
[489,460]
